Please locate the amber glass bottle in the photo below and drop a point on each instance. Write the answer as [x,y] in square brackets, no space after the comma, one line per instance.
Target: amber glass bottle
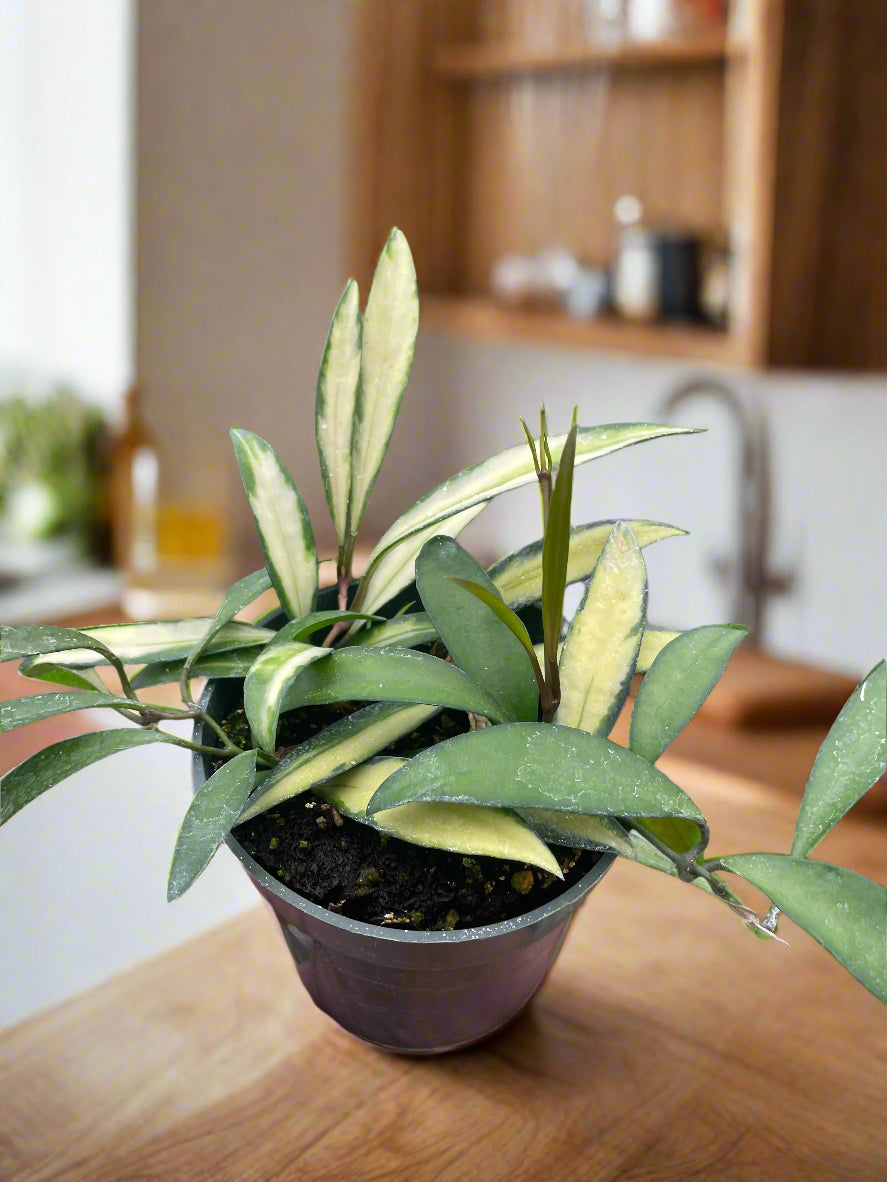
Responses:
[134,475]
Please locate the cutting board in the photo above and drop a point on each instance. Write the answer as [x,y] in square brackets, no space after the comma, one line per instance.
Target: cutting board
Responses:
[762,692]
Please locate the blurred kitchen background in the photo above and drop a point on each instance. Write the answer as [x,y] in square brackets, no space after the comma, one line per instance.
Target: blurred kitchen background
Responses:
[651,208]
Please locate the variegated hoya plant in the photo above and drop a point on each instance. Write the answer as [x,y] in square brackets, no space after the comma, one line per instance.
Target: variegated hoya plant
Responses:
[537,765]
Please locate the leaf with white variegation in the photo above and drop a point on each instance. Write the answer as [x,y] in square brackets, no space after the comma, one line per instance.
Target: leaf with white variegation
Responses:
[53,764]
[340,746]
[282,522]
[397,568]
[653,642]
[677,683]
[213,810]
[601,649]
[578,830]
[518,576]
[851,759]
[537,765]
[460,828]
[843,911]
[236,663]
[337,384]
[390,324]
[317,622]
[390,675]
[410,630]
[133,644]
[268,680]
[479,643]
[509,469]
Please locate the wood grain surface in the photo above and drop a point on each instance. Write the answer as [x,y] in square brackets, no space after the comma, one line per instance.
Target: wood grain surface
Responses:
[667,1044]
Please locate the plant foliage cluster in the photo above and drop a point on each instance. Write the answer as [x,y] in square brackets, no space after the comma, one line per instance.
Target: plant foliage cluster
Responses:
[538,766]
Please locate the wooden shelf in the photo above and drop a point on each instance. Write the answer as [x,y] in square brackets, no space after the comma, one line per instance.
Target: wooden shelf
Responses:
[462,63]
[480,317]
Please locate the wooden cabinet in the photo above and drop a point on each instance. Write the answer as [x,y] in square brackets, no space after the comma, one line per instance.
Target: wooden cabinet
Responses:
[483,127]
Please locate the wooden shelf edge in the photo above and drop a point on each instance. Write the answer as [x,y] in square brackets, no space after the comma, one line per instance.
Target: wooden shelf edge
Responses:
[482,318]
[462,63]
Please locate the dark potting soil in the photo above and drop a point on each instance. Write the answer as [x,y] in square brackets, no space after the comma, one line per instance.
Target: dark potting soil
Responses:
[356,871]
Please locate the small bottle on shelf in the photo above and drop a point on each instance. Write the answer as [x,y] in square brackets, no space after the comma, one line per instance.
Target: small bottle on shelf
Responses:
[134,478]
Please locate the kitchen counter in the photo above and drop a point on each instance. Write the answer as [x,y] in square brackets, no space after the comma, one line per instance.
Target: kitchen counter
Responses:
[667,1043]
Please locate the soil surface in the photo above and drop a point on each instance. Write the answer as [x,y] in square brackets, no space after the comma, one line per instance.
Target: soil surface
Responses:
[356,871]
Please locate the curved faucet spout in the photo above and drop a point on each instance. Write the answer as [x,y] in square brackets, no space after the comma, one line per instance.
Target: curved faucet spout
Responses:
[749,572]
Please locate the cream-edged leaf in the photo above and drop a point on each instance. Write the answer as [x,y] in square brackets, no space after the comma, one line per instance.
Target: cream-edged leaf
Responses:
[460,828]
[398,567]
[579,830]
[153,641]
[282,521]
[653,642]
[408,631]
[340,746]
[266,683]
[337,384]
[601,649]
[390,324]
[518,576]
[510,469]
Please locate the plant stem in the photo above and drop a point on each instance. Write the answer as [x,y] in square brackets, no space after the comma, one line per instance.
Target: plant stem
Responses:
[686,865]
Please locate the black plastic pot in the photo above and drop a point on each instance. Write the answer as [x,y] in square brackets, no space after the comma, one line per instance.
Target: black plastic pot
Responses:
[417,993]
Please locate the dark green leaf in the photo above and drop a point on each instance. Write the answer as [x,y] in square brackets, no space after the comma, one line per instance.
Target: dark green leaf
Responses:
[21,711]
[677,683]
[850,760]
[480,642]
[404,630]
[389,675]
[556,550]
[239,596]
[537,765]
[86,679]
[843,911]
[213,810]
[27,640]
[45,769]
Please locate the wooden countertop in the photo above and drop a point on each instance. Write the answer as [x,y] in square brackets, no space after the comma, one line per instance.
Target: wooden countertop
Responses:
[667,1044]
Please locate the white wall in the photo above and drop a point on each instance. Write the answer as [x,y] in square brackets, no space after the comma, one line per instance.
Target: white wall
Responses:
[65,258]
[827,437]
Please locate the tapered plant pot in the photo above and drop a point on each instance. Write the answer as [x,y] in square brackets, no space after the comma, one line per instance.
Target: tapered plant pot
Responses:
[418,993]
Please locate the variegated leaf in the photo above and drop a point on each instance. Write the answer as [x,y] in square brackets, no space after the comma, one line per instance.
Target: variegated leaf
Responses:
[155,641]
[267,682]
[576,829]
[390,324]
[337,384]
[281,520]
[510,469]
[518,576]
[340,746]
[601,649]
[460,828]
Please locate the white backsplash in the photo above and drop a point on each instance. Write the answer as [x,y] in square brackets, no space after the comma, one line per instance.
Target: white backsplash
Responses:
[828,474]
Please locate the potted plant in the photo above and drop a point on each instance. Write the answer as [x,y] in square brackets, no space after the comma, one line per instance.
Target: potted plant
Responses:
[415,765]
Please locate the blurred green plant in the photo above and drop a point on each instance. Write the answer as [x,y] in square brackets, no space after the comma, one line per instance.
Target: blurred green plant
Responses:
[53,457]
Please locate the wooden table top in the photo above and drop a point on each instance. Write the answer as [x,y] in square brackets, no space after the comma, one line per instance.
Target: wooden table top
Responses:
[667,1044]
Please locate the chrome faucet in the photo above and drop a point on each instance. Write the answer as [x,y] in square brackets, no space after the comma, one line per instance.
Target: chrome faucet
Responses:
[749,573]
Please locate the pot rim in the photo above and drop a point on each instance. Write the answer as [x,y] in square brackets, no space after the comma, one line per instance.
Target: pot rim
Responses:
[357,927]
